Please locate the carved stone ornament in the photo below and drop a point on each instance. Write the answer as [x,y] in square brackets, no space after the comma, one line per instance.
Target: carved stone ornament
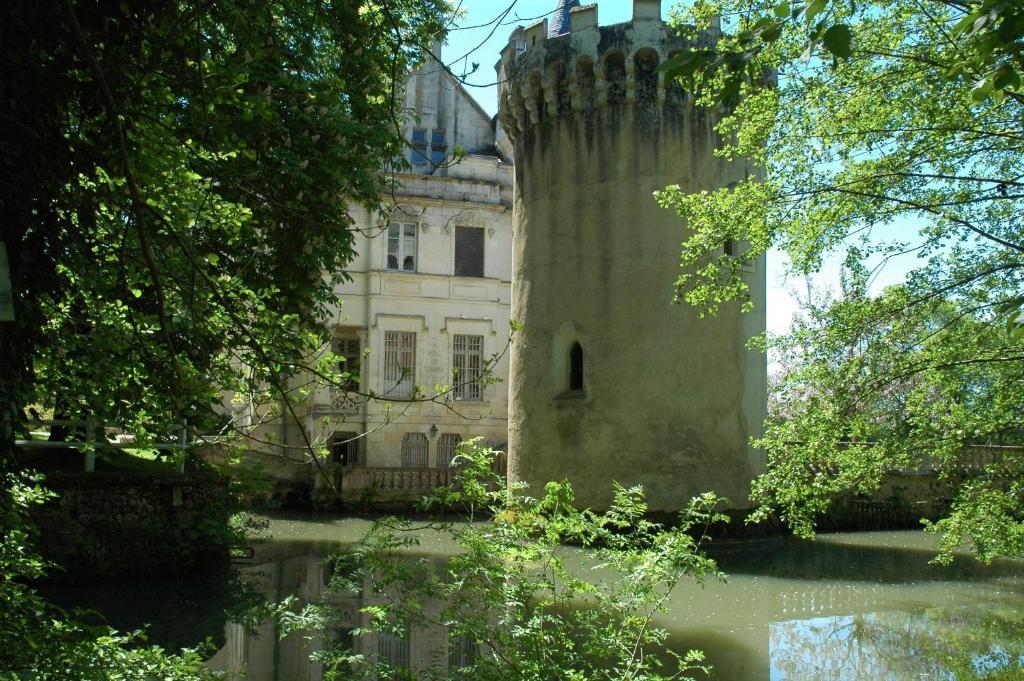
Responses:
[464,218]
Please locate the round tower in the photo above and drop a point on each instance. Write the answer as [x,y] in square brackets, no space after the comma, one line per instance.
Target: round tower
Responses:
[610,381]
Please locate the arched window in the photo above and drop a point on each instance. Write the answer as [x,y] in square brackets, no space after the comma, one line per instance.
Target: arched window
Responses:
[576,367]
[646,61]
[414,450]
[615,75]
[447,445]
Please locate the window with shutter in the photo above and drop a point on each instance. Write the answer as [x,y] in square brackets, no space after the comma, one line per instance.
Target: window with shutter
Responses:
[469,252]
[350,357]
[415,450]
[447,445]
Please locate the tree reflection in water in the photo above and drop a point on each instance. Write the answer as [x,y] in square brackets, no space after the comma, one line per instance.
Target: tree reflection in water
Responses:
[958,644]
[847,607]
[513,600]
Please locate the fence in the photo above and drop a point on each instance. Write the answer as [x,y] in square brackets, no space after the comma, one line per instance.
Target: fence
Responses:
[972,458]
[96,435]
[397,486]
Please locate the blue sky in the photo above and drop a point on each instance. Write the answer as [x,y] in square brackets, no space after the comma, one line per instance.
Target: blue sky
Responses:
[473,36]
[478,39]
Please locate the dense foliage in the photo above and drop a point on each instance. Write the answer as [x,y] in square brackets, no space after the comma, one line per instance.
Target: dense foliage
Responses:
[179,179]
[40,643]
[896,129]
[516,600]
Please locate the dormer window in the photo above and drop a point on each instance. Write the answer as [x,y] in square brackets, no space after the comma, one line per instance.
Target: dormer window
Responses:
[438,147]
[419,147]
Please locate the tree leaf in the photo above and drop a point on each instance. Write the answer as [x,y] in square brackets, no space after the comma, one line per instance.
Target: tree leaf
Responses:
[814,8]
[839,41]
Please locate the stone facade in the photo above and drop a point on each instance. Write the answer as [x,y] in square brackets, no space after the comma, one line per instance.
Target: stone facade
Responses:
[439,292]
[609,380]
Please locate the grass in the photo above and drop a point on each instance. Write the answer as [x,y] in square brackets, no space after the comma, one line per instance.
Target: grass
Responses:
[123,461]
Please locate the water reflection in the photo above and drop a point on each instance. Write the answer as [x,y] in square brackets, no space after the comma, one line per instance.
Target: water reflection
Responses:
[172,612]
[865,606]
[942,643]
[883,557]
[858,606]
[304,570]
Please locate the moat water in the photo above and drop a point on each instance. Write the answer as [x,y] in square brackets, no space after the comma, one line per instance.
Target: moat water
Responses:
[864,606]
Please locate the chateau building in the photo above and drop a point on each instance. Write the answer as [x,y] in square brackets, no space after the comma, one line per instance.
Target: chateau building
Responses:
[426,304]
[428,301]
[608,380]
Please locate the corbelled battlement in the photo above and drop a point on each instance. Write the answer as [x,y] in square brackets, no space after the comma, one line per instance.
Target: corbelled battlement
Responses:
[589,68]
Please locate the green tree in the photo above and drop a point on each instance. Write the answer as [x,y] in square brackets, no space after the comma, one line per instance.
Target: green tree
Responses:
[179,180]
[536,589]
[177,177]
[893,129]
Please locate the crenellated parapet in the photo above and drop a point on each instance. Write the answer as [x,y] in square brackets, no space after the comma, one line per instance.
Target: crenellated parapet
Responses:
[590,68]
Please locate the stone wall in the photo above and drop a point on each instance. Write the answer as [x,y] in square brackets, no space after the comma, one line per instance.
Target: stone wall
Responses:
[905,497]
[900,503]
[114,525]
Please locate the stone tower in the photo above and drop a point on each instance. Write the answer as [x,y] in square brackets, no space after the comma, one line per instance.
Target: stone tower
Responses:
[609,380]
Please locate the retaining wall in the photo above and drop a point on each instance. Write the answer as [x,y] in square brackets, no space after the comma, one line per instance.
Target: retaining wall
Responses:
[114,526]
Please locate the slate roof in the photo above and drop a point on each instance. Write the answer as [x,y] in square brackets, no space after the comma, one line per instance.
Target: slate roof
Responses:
[560,19]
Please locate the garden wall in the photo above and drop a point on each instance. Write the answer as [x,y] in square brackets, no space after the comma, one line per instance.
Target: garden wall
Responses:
[120,525]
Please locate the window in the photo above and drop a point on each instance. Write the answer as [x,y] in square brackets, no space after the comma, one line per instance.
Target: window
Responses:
[467,362]
[346,638]
[415,450]
[469,252]
[735,249]
[394,648]
[462,651]
[402,247]
[437,139]
[419,146]
[576,367]
[399,363]
[437,156]
[344,448]
[349,367]
[447,446]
